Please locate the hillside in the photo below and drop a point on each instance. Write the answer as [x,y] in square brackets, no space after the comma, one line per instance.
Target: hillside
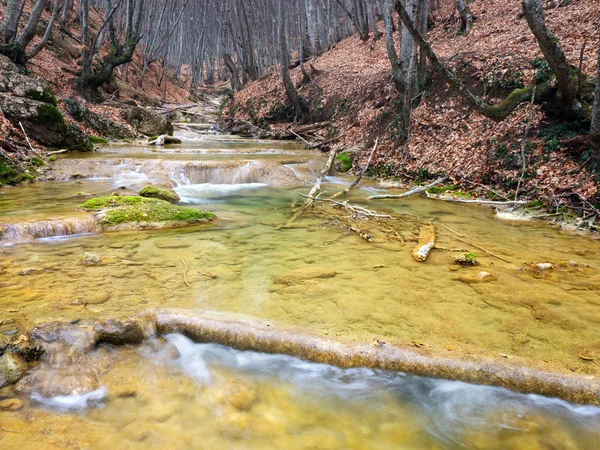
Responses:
[354,90]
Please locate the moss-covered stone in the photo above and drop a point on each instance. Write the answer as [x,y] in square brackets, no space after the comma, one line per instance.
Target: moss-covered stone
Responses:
[46,96]
[467,259]
[115,211]
[48,114]
[161,194]
[98,140]
[10,174]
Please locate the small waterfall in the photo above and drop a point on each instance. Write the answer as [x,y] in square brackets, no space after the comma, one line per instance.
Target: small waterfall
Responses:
[16,233]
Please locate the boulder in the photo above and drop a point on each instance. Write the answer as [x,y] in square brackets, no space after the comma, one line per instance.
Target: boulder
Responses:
[44,123]
[51,382]
[147,122]
[12,368]
[162,194]
[23,86]
[104,126]
[6,65]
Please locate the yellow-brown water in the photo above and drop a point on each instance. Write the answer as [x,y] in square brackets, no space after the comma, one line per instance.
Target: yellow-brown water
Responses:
[546,320]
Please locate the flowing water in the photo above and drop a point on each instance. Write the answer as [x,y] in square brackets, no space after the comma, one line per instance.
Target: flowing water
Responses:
[348,289]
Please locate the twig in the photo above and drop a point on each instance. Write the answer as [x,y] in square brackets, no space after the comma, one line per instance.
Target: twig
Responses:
[185,273]
[524,143]
[298,136]
[586,202]
[360,175]
[27,139]
[354,209]
[456,236]
[57,152]
[411,192]
[486,187]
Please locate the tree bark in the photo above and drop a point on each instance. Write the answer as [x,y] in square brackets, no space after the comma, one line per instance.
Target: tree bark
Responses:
[10,21]
[534,13]
[595,127]
[466,18]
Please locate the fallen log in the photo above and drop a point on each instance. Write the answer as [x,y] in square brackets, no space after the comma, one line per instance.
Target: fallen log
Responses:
[412,192]
[476,202]
[165,139]
[426,243]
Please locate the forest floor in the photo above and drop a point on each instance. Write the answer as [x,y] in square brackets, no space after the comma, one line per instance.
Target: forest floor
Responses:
[351,86]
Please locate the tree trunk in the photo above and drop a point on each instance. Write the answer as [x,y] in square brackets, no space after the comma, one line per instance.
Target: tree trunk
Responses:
[10,21]
[595,128]
[466,18]
[236,84]
[534,13]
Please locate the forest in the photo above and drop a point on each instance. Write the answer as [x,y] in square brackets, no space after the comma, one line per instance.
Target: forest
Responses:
[315,224]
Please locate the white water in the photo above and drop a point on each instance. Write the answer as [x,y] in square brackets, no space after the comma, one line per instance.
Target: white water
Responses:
[199,194]
[16,233]
[72,402]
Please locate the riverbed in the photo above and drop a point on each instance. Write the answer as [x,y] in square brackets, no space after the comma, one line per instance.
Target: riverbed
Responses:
[349,290]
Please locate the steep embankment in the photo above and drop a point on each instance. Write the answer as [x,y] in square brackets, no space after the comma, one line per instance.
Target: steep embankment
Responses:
[351,86]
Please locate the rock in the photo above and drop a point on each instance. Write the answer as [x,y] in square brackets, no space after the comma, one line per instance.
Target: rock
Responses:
[297,276]
[44,123]
[12,404]
[238,394]
[53,382]
[12,368]
[543,266]
[480,277]
[162,194]
[93,298]
[104,126]
[6,65]
[147,122]
[121,332]
[30,271]
[23,86]
[90,259]
[165,139]
[73,336]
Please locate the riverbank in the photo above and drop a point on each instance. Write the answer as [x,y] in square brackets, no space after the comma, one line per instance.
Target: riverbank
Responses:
[351,90]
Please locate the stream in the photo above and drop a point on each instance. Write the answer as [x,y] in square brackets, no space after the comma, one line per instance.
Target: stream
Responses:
[174,393]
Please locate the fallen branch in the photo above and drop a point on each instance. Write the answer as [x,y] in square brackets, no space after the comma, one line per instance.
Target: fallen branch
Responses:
[56,152]
[475,202]
[360,175]
[411,192]
[328,141]
[425,244]
[458,238]
[353,209]
[27,139]
[187,269]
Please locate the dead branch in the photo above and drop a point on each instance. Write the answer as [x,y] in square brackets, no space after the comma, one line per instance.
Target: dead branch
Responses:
[415,191]
[352,209]
[475,202]
[360,175]
[56,152]
[458,237]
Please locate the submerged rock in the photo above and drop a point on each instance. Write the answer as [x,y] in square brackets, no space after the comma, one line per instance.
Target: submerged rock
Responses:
[49,382]
[479,277]
[12,404]
[73,336]
[161,194]
[89,259]
[297,276]
[118,212]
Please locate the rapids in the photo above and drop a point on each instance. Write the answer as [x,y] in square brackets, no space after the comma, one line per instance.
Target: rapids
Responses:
[216,397]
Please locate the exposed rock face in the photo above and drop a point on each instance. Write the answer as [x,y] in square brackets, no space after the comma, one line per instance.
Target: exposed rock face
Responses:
[44,123]
[104,126]
[147,122]
[23,86]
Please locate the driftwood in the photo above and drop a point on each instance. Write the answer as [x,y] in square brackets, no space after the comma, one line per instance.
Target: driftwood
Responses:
[475,202]
[426,243]
[164,139]
[411,192]
[353,209]
[56,152]
[360,175]
[316,188]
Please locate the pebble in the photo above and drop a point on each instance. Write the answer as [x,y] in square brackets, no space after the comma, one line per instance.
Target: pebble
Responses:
[12,404]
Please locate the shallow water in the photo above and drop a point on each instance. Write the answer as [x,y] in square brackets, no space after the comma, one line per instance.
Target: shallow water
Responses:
[546,320]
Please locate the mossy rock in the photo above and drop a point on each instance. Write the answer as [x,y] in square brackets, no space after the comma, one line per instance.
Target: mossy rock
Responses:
[343,162]
[116,211]
[98,140]
[161,194]
[46,96]
[467,259]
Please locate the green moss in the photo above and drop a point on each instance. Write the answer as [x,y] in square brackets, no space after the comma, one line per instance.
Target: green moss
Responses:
[467,259]
[52,158]
[152,138]
[345,161]
[48,114]
[98,140]
[441,189]
[161,194]
[9,174]
[37,162]
[47,96]
[133,209]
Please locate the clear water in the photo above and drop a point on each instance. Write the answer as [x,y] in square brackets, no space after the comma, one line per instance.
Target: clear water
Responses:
[543,320]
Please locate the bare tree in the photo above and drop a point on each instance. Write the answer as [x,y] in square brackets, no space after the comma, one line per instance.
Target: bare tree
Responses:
[595,127]
[466,18]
